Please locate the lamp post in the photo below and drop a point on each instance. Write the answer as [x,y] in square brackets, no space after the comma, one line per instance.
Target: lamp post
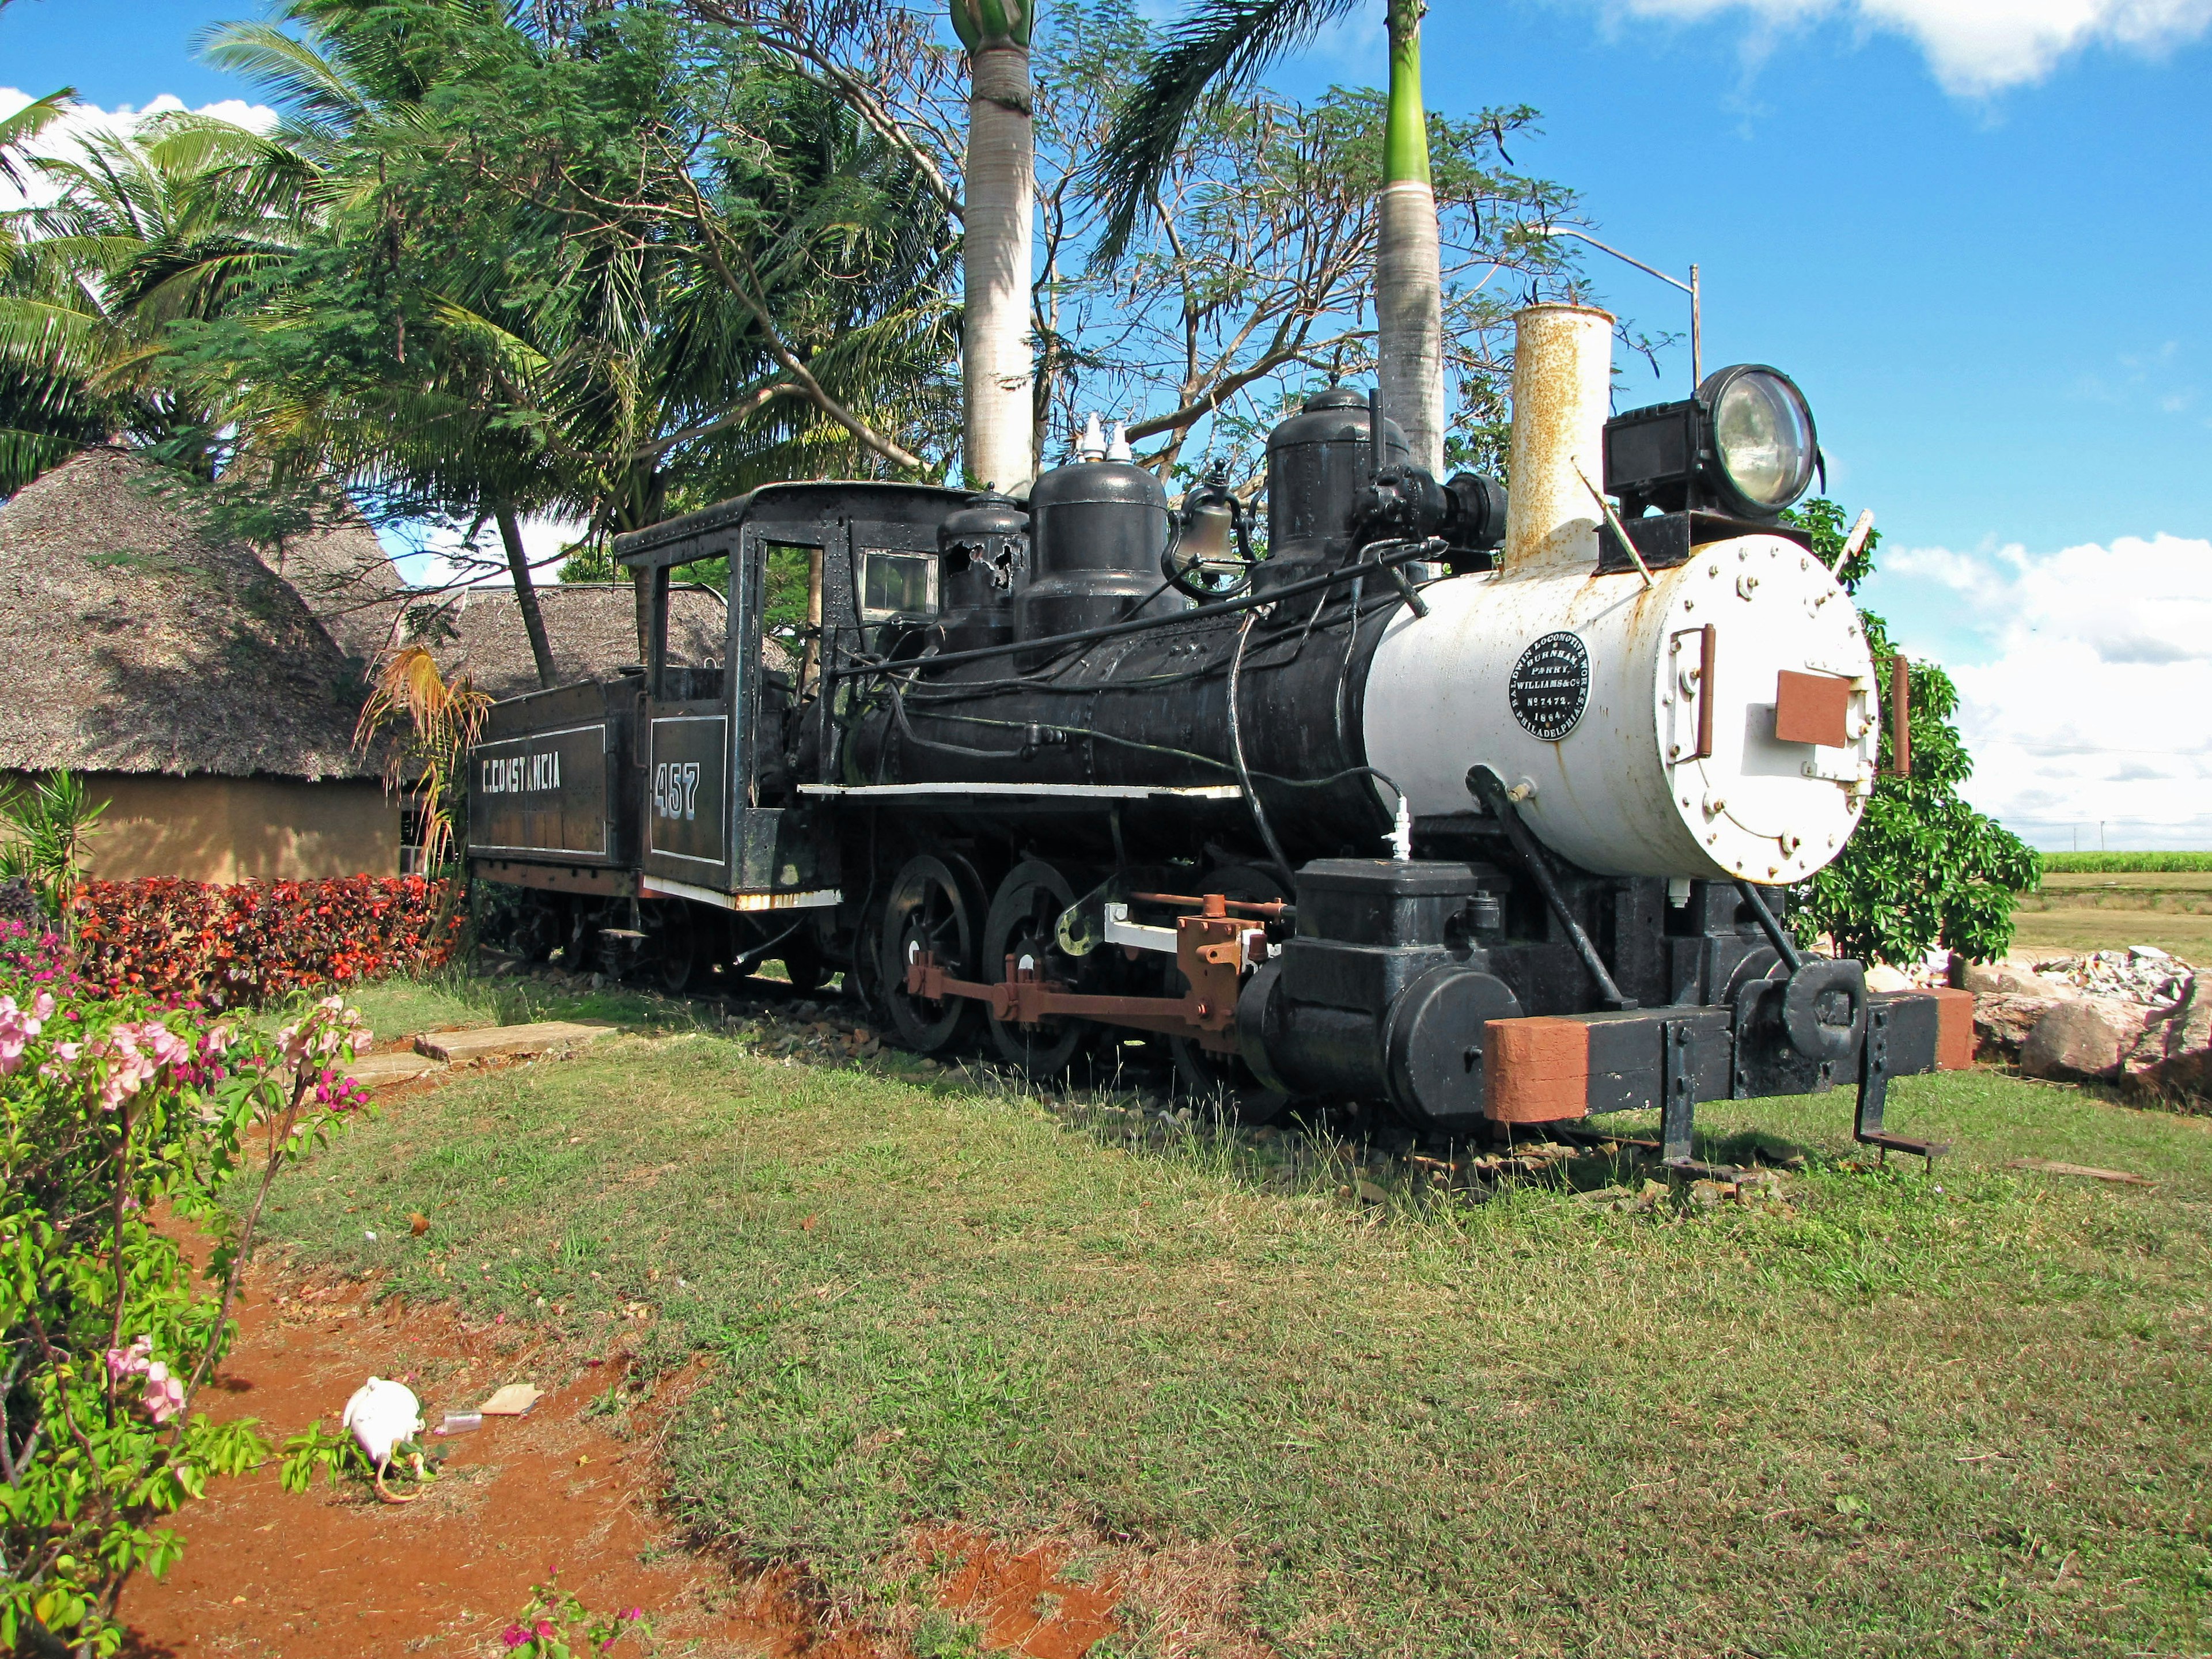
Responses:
[1690,287]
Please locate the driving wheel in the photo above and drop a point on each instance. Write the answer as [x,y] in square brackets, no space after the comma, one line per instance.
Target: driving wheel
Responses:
[1020,934]
[680,957]
[932,909]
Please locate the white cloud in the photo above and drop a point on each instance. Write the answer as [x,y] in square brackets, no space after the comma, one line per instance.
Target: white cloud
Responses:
[2095,704]
[81,121]
[1975,47]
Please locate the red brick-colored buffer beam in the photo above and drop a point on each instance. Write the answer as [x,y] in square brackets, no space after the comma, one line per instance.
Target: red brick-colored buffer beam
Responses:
[1553,1069]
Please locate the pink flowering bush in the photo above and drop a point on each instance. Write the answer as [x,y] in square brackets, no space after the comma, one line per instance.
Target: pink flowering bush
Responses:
[108,1108]
[557,1625]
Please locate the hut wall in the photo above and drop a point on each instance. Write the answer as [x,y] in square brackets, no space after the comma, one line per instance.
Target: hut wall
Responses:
[232,830]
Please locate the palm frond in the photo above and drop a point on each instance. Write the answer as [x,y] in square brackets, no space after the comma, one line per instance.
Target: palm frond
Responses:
[289,70]
[1217,51]
[27,123]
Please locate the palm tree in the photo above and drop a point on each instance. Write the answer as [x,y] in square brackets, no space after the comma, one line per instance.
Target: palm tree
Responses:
[997,437]
[1219,50]
[616,326]
[174,221]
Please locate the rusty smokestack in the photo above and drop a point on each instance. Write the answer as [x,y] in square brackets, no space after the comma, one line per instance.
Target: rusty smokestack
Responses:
[1562,393]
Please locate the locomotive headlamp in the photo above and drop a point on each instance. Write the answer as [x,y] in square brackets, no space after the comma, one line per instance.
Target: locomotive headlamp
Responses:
[1744,445]
[1762,436]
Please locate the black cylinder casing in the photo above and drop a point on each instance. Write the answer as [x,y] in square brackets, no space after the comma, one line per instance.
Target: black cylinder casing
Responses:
[1382,994]
[1320,463]
[1097,530]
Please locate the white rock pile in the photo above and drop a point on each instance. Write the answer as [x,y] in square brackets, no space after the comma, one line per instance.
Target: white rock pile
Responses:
[2135,1017]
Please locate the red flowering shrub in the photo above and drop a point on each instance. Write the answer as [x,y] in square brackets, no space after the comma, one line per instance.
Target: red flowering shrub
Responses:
[168,939]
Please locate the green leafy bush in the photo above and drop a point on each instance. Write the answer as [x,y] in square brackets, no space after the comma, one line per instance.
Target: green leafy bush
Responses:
[1923,868]
[109,1107]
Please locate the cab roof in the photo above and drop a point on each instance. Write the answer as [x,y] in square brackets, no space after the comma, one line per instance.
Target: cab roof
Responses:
[802,510]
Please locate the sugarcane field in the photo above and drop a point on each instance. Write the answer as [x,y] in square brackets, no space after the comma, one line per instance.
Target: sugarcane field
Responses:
[873,831]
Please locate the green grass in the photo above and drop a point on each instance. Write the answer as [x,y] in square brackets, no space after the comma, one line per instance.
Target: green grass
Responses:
[1958,1414]
[2107,863]
[403,1007]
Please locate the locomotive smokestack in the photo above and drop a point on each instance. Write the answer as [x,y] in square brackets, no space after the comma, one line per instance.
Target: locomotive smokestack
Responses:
[1562,387]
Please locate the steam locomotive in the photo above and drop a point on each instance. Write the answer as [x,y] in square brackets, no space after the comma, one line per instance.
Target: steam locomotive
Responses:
[1463,815]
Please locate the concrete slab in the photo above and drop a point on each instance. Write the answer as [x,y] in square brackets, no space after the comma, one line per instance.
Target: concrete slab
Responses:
[505,1041]
[395,1066]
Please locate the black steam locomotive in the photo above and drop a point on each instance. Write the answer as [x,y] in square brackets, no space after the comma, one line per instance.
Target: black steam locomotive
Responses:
[1424,813]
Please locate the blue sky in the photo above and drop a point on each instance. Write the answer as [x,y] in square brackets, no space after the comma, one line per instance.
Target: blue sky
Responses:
[1976,234]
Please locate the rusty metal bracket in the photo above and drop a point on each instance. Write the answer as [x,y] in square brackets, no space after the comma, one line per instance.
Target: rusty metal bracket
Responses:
[1209,949]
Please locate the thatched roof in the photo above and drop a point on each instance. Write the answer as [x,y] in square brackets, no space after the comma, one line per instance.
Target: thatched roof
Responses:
[592,627]
[132,641]
[348,581]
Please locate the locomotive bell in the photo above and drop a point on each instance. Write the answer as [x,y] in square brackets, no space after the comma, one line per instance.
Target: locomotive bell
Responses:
[1320,463]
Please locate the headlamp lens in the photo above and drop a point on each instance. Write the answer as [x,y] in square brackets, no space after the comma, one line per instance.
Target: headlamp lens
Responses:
[1764,435]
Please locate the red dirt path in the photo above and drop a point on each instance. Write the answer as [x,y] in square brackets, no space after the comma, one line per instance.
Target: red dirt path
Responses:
[338,1574]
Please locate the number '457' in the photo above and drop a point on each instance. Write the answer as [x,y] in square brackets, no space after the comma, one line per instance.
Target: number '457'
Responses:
[674,789]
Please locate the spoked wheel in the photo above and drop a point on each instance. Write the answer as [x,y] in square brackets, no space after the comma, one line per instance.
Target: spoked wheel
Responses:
[932,909]
[1023,927]
[681,957]
[1208,1079]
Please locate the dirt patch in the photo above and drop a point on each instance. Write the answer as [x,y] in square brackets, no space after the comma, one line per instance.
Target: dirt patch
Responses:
[338,1574]
[560,1491]
[1019,1599]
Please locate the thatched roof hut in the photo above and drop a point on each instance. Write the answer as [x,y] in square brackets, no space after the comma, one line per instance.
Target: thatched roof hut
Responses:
[209,689]
[131,640]
[201,697]
[592,627]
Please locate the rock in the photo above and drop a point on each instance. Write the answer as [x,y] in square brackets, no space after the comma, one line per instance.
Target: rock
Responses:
[2174,1054]
[2006,979]
[377,1071]
[1883,977]
[497,1041]
[2003,1022]
[2082,1037]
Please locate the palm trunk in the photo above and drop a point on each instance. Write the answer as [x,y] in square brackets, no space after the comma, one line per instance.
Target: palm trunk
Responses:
[1408,265]
[1001,191]
[525,594]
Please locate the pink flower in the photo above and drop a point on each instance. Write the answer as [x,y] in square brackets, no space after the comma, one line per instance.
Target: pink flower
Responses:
[633,1613]
[129,1362]
[18,1027]
[544,1631]
[164,1395]
[513,1636]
